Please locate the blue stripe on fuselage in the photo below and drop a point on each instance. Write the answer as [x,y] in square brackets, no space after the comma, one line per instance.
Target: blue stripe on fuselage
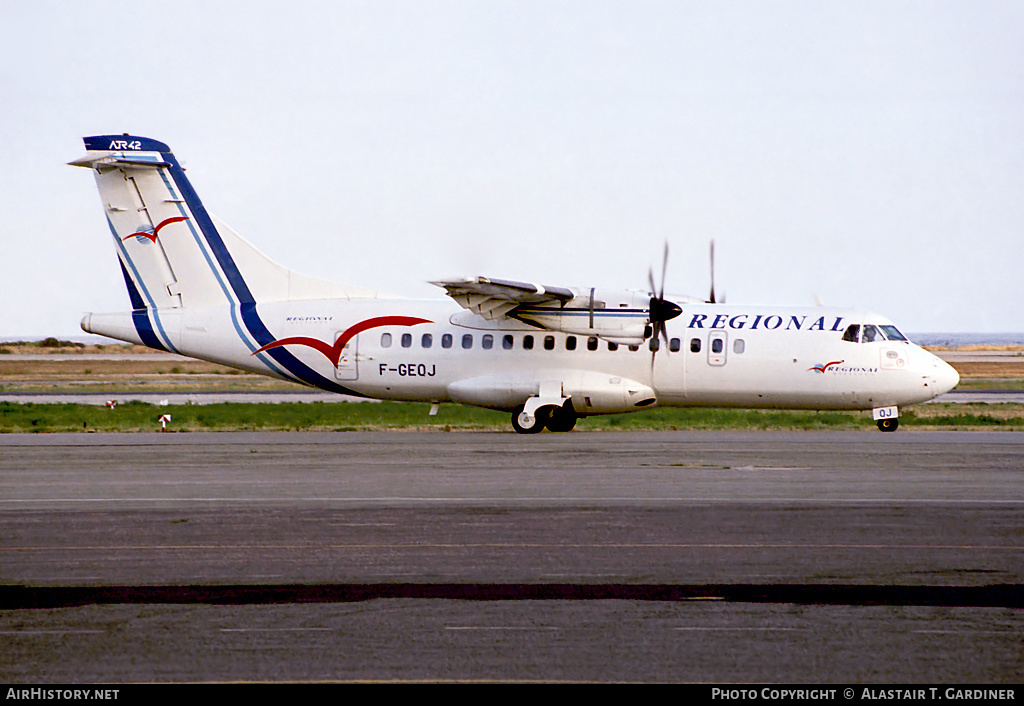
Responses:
[247,304]
[141,318]
[139,315]
[232,304]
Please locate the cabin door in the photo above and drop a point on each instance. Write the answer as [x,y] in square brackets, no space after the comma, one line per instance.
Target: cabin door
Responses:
[348,363]
[717,347]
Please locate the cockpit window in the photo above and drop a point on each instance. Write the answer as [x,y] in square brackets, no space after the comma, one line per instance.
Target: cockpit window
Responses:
[870,333]
[893,333]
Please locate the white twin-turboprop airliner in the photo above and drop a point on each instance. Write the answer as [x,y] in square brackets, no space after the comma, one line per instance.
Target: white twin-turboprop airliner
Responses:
[548,355]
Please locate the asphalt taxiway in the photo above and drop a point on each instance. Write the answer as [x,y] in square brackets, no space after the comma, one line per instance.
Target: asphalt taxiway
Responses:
[684,556]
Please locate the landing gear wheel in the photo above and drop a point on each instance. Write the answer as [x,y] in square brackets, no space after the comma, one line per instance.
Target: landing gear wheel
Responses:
[562,418]
[533,426]
[888,424]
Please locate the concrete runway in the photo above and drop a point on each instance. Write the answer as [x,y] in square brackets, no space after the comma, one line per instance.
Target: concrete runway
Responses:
[684,556]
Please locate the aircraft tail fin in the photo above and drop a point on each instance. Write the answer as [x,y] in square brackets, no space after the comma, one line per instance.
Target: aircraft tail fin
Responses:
[173,254]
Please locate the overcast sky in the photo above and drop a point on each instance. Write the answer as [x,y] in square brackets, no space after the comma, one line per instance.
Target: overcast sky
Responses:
[870,153]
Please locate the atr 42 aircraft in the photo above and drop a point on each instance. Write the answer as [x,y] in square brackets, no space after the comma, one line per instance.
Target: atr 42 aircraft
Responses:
[548,355]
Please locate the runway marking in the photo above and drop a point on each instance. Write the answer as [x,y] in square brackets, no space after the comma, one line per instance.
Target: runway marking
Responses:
[53,632]
[276,629]
[688,629]
[966,632]
[509,628]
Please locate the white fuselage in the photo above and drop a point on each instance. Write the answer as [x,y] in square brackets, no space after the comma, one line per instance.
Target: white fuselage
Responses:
[718,355]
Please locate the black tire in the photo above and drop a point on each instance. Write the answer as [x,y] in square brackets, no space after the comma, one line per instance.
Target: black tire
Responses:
[888,424]
[539,419]
[562,418]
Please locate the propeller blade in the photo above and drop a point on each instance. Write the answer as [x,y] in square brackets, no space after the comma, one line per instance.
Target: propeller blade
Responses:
[664,270]
[712,299]
[660,310]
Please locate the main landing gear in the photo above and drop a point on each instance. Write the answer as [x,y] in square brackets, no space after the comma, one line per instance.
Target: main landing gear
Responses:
[888,424]
[554,418]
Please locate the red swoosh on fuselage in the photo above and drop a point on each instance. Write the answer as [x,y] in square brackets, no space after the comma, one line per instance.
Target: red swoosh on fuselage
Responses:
[825,367]
[333,353]
[156,231]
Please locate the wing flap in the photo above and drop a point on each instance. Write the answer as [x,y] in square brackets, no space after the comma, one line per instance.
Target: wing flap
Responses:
[494,298]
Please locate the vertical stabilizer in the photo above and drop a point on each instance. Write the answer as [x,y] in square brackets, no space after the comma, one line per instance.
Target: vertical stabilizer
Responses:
[173,253]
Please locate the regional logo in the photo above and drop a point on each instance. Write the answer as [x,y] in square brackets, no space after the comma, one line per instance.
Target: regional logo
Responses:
[151,236]
[826,366]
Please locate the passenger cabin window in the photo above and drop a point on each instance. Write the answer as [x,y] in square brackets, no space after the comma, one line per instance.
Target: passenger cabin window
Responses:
[446,340]
[655,344]
[487,342]
[406,340]
[427,341]
[695,345]
[613,346]
[549,343]
[385,340]
[528,343]
[570,343]
[507,342]
[674,344]
[592,343]
[738,346]
[717,345]
[467,341]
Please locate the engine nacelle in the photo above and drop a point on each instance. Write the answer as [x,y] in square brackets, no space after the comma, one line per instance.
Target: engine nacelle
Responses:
[617,316]
[590,392]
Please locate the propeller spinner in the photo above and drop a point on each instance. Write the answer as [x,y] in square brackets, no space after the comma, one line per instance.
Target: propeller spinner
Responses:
[660,309]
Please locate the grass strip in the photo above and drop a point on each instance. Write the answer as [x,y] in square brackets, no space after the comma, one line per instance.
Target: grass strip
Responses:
[318,416]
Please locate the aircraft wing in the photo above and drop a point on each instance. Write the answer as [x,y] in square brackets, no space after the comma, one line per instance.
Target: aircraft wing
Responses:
[493,298]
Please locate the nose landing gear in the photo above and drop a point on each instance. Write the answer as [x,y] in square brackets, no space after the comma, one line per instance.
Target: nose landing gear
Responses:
[886,418]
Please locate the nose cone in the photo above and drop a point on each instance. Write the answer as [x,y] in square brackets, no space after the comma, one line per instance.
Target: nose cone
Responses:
[942,377]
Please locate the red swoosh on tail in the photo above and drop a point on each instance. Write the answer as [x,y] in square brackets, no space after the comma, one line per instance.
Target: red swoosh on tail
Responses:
[156,231]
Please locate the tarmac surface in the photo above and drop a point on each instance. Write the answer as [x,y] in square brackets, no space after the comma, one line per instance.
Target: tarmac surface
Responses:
[677,556]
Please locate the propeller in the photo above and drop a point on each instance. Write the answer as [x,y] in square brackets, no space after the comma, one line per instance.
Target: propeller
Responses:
[660,309]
